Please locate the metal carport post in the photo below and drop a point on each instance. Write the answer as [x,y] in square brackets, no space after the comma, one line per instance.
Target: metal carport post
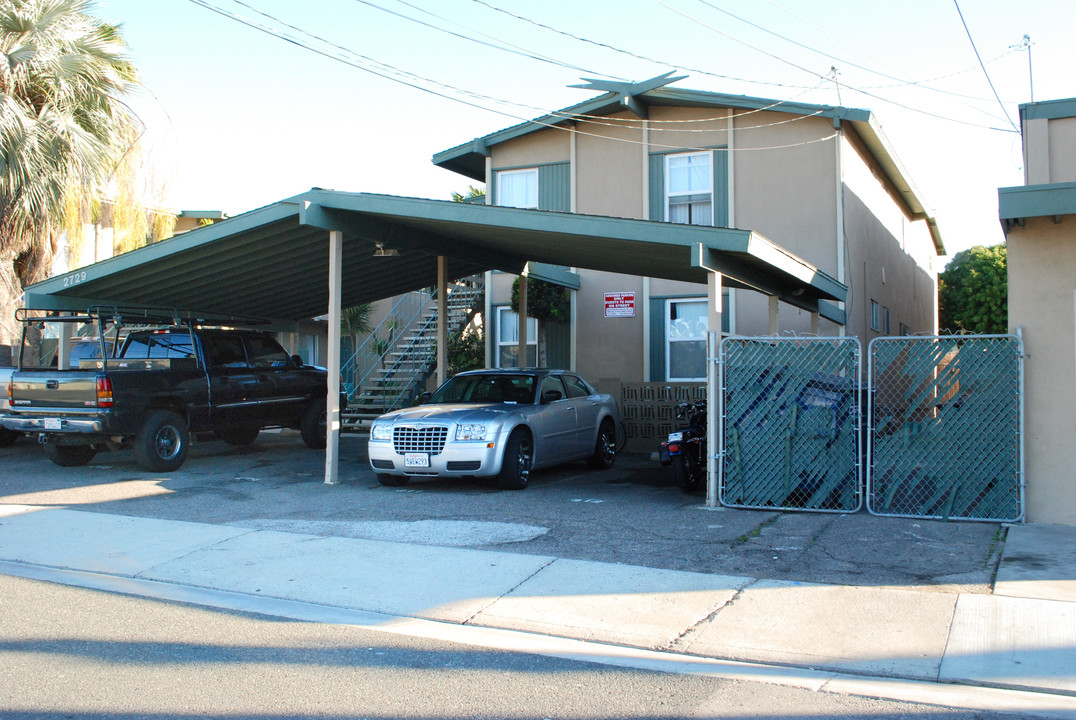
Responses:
[332,381]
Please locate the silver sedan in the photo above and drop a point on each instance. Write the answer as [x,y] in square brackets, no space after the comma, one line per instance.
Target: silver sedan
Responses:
[496,423]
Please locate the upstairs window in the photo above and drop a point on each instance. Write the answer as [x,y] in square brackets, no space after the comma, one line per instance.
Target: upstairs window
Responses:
[689,183]
[518,188]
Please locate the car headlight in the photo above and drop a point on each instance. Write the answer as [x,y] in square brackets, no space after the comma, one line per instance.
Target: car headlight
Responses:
[381,432]
[470,431]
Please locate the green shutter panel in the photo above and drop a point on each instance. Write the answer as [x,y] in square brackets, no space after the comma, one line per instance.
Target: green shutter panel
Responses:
[657,340]
[555,187]
[721,187]
[492,189]
[657,187]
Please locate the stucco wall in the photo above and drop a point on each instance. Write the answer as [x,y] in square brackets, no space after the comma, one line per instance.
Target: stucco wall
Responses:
[1042,301]
[1050,149]
[889,255]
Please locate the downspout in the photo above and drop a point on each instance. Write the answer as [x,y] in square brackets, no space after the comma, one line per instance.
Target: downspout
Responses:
[839,198]
[646,280]
[487,302]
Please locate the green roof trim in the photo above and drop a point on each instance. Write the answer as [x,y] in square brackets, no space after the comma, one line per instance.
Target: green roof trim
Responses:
[468,159]
[1028,201]
[1048,110]
[273,262]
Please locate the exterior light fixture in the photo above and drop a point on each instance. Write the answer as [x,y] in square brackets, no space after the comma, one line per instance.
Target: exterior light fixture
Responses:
[382,252]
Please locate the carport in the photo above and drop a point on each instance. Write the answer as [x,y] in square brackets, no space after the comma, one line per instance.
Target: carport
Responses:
[315,253]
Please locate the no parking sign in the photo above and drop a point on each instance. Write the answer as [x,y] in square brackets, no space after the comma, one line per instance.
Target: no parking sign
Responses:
[619,304]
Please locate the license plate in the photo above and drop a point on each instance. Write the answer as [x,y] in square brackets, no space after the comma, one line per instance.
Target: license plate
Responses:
[53,424]
[416,460]
[676,436]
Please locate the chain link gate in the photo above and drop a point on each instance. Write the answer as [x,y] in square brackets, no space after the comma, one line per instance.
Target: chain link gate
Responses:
[946,424]
[790,427]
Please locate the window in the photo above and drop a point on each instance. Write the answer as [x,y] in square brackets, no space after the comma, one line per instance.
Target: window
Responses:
[264,352]
[905,330]
[689,188]
[507,354]
[552,383]
[885,320]
[876,315]
[577,387]
[686,324]
[518,188]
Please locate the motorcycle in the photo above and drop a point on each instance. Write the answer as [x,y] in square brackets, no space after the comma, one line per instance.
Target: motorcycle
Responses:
[685,449]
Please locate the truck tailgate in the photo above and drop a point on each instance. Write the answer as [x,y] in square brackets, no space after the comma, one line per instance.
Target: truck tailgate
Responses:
[53,389]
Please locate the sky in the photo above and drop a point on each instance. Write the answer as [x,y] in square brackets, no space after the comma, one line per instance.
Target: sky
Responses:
[248,102]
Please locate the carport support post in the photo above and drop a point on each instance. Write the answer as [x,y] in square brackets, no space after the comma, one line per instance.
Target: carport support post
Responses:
[713,368]
[332,397]
[521,359]
[442,319]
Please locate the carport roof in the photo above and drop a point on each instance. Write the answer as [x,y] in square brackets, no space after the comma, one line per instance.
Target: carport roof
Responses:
[274,262]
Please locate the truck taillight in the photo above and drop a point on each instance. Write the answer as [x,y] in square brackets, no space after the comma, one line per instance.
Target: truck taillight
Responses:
[104,392]
[10,391]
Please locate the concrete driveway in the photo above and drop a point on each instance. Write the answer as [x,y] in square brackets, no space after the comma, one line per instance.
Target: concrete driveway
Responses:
[631,514]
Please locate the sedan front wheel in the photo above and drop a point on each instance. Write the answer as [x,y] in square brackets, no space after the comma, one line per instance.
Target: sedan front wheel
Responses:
[518,458]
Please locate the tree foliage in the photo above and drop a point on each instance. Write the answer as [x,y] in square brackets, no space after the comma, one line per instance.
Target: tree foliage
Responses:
[64,129]
[466,352]
[973,292]
[545,301]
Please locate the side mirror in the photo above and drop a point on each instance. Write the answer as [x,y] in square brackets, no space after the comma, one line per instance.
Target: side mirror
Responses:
[298,360]
[424,397]
[551,396]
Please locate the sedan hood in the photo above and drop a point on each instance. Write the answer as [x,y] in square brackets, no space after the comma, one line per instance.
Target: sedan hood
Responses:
[462,413]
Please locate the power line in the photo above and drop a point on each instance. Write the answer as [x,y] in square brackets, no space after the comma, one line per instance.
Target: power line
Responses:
[499,45]
[628,53]
[980,59]
[386,74]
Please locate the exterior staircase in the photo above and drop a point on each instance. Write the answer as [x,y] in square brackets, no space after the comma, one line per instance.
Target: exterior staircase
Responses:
[390,369]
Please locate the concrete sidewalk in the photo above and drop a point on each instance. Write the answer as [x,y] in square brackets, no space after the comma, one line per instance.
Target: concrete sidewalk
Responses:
[1021,637]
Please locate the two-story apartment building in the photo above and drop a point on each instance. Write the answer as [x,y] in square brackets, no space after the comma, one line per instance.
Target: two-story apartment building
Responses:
[822,182]
[1039,219]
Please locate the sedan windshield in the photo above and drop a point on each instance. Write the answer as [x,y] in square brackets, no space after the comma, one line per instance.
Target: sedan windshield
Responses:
[492,388]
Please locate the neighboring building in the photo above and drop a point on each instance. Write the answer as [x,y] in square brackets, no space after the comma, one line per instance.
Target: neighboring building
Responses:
[821,182]
[1040,227]
[99,240]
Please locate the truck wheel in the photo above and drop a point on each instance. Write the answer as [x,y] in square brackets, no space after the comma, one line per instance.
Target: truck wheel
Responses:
[604,448]
[516,465]
[70,455]
[8,437]
[312,427]
[163,442]
[240,435]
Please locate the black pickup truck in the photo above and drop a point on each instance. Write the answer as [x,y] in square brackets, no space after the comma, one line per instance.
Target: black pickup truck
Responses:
[150,383]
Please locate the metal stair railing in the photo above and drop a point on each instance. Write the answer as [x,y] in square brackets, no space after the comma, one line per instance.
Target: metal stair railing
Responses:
[368,355]
[414,357]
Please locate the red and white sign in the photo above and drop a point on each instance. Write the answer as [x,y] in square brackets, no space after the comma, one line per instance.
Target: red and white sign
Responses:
[620,304]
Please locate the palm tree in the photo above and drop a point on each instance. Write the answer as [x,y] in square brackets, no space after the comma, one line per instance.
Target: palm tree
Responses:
[64,128]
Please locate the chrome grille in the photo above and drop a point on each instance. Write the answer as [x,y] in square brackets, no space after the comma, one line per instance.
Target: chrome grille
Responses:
[425,438]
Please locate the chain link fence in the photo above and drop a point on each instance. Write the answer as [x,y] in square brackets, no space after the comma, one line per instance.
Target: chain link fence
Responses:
[790,423]
[946,423]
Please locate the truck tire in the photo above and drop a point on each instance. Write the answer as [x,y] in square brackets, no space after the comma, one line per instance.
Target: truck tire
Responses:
[163,442]
[69,455]
[242,435]
[312,427]
[8,437]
